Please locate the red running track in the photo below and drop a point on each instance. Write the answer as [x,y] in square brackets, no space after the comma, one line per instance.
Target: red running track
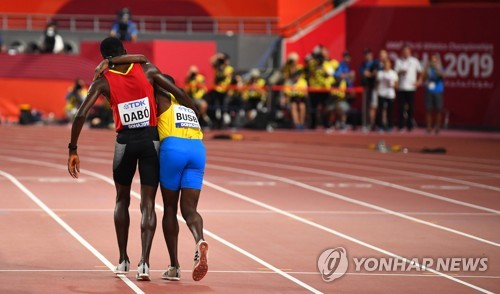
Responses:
[271,204]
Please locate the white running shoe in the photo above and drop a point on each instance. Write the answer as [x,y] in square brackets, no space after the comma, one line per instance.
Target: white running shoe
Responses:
[172,274]
[200,260]
[143,272]
[122,268]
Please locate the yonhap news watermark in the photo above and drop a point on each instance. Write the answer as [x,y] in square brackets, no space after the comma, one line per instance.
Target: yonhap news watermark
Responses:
[333,264]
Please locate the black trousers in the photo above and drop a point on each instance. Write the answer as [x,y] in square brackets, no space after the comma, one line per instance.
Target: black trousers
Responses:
[388,104]
[406,98]
[216,102]
[317,99]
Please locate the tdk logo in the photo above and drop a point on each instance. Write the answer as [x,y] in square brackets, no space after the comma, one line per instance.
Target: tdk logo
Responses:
[134,104]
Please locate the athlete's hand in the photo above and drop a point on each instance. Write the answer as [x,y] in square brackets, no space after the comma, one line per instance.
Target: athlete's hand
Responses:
[103,66]
[73,164]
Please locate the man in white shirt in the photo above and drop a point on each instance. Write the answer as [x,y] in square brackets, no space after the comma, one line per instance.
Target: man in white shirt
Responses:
[387,82]
[408,69]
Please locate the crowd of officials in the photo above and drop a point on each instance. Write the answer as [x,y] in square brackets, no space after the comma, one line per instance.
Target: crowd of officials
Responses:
[320,91]
[305,94]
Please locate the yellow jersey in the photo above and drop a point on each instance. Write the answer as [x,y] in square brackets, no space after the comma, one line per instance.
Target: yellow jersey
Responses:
[288,70]
[179,121]
[321,76]
[195,87]
[223,79]
[339,92]
[255,90]
[72,100]
[296,89]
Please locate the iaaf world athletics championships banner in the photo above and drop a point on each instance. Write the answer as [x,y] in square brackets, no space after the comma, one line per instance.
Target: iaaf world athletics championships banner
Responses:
[467,40]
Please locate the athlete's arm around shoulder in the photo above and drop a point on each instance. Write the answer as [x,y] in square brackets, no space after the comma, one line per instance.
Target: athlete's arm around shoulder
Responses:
[122,59]
[99,87]
[153,73]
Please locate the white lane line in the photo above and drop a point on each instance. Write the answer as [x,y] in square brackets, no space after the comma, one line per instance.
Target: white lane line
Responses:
[364,167]
[69,229]
[339,234]
[462,160]
[348,185]
[356,178]
[335,195]
[49,179]
[347,212]
[443,187]
[160,207]
[397,170]
[350,200]
[261,211]
[264,272]
[338,196]
[252,183]
[362,157]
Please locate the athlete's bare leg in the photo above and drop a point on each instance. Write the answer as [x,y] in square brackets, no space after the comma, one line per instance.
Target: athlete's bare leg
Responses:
[170,224]
[148,220]
[122,219]
[189,204]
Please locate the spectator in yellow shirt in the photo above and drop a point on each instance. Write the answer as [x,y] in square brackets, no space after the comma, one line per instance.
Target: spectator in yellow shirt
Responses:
[254,93]
[196,89]
[295,90]
[291,66]
[217,97]
[320,77]
[74,99]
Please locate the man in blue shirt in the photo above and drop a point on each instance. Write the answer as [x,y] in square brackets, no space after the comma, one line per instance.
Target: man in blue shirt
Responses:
[344,79]
[344,71]
[434,86]
[368,73]
[124,28]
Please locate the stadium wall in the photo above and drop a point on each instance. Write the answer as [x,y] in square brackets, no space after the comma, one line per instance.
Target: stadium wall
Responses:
[42,81]
[245,50]
[464,36]
[467,40]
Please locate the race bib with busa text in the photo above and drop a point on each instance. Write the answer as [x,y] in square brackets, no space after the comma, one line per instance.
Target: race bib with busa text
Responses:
[185,117]
[135,114]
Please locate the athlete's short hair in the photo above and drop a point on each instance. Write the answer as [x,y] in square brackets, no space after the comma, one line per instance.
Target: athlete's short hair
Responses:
[111,47]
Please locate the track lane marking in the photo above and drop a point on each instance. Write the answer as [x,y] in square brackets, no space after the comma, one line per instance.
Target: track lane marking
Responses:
[160,207]
[70,230]
[353,177]
[259,272]
[351,164]
[339,234]
[351,200]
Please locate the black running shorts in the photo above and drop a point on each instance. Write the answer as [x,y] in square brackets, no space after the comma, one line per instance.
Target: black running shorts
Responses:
[137,146]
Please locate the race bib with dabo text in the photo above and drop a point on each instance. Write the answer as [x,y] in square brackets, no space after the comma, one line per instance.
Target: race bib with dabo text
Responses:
[135,114]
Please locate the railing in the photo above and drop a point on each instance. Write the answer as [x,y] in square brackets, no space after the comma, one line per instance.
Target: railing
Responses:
[145,24]
[302,22]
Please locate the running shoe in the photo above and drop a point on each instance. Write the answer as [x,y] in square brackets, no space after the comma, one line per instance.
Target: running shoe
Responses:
[143,272]
[122,268]
[172,274]
[200,260]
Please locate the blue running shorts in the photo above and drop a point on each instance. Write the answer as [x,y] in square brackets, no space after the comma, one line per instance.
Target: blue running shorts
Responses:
[182,163]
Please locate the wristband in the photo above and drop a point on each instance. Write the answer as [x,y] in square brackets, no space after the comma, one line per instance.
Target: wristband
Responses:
[110,63]
[72,147]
